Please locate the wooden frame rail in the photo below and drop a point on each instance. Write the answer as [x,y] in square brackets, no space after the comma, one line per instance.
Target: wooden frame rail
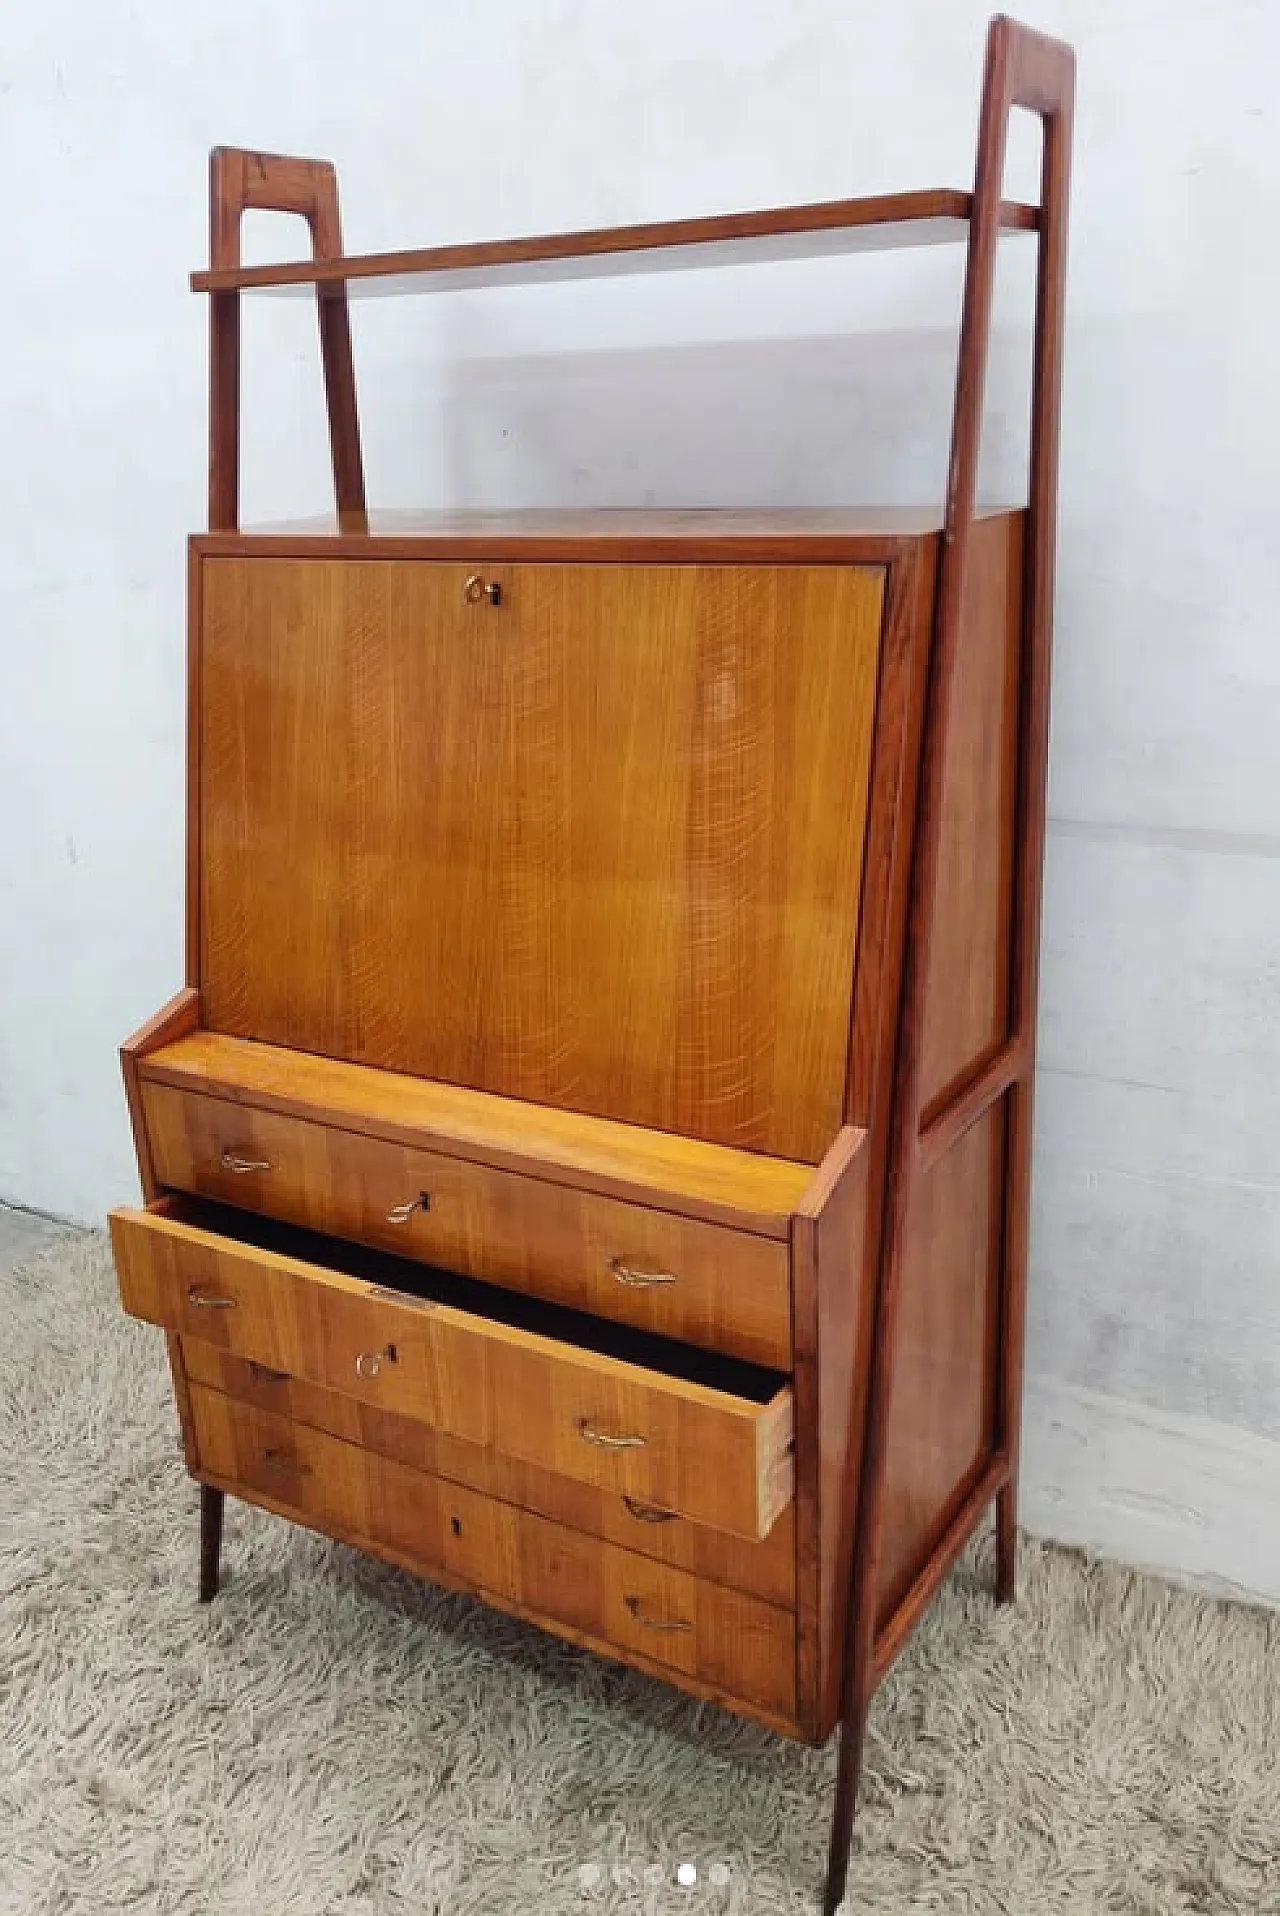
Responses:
[1025,70]
[239,181]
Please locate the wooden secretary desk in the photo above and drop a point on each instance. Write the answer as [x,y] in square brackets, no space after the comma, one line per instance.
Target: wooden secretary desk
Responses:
[588,1164]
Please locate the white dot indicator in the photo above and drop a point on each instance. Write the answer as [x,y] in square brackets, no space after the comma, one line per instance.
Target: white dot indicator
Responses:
[719,1874]
[687,1875]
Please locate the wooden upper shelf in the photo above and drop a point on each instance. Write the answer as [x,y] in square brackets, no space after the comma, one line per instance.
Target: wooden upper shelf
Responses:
[876,224]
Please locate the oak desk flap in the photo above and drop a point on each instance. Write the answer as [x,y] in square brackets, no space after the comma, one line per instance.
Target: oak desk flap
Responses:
[597,844]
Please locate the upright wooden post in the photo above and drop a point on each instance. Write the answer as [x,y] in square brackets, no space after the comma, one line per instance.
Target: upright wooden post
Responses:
[1023,69]
[1054,79]
[239,180]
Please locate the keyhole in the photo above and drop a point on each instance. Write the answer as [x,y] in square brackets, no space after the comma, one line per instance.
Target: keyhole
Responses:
[455,1524]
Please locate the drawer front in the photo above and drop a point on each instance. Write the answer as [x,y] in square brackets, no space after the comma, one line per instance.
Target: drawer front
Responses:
[731,1642]
[705,1454]
[764,1569]
[699,1283]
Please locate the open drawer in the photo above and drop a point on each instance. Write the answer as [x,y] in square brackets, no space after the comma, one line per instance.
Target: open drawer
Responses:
[705,1436]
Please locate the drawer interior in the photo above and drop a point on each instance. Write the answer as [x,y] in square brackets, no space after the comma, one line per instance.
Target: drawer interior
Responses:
[408,1280]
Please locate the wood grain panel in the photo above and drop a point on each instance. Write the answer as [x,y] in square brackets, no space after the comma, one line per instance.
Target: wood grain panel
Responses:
[967,994]
[728,1290]
[598,847]
[942,1407]
[765,1568]
[744,1189]
[623,1602]
[659,1436]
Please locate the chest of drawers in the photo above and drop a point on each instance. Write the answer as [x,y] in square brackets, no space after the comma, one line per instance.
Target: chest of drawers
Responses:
[587,1164]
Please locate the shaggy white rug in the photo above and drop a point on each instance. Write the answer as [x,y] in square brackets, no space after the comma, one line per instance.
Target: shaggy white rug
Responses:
[331,1738]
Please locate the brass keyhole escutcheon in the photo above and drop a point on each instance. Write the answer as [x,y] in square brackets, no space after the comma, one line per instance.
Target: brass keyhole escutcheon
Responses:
[477,590]
[369,1363]
[401,1213]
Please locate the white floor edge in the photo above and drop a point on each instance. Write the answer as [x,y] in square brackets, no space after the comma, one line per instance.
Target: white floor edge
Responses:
[1193,1500]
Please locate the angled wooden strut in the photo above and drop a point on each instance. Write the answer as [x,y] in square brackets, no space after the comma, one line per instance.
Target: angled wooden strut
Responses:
[1023,69]
[239,181]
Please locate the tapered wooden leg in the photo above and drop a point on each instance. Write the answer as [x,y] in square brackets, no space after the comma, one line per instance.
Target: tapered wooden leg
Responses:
[1007,1543]
[211,1503]
[848,1772]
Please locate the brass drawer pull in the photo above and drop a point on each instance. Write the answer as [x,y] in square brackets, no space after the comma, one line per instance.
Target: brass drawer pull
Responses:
[287,1464]
[208,1301]
[263,1374]
[648,1513]
[590,1435]
[639,1280]
[237,1162]
[369,1363]
[654,1623]
[401,1213]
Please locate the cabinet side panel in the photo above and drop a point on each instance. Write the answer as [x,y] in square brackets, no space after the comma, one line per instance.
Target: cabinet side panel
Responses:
[843,1302]
[967,999]
[943,1402]
[599,846]
[942,1419]
[193,874]
[847,1237]
[180,1016]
